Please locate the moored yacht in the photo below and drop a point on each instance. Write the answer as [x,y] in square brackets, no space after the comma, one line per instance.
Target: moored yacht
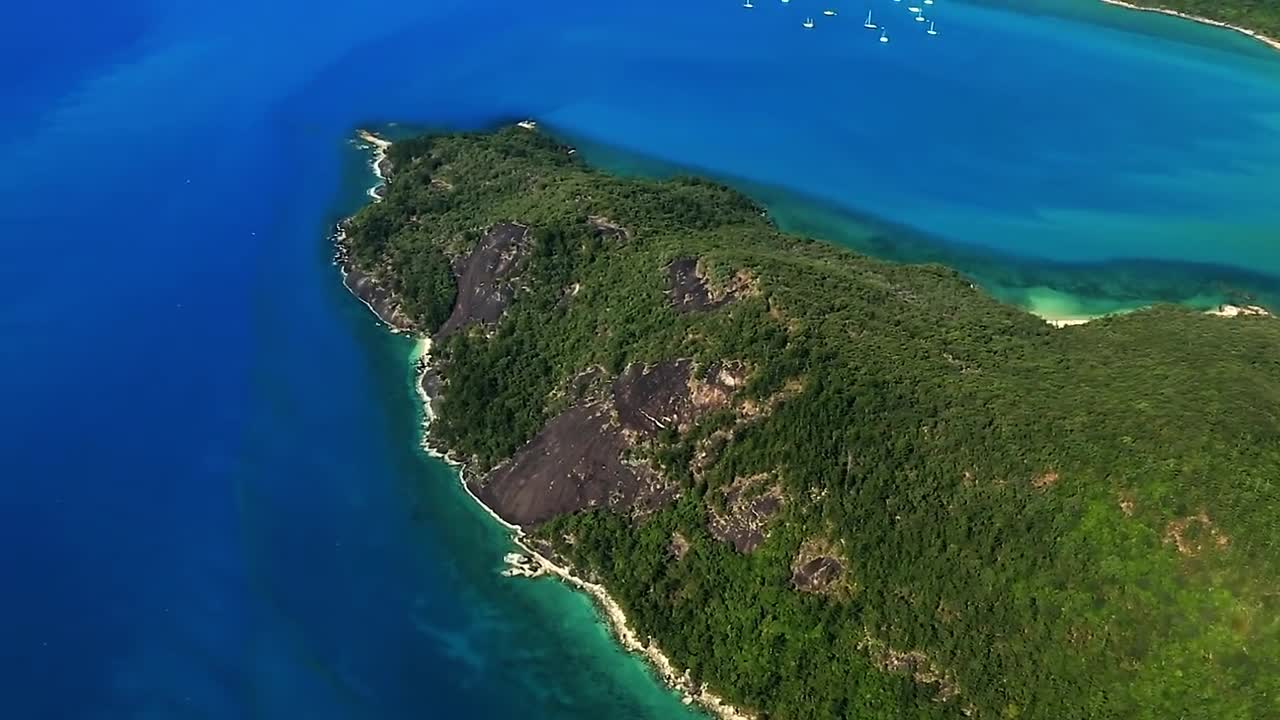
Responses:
[868,24]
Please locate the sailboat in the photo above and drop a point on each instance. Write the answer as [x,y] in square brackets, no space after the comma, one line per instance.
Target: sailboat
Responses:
[884,36]
[913,8]
[931,31]
[829,13]
[747,4]
[868,24]
[928,2]
[919,18]
[808,23]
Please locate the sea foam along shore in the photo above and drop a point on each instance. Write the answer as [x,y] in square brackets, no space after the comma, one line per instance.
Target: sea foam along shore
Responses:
[609,608]
[1272,42]
[381,163]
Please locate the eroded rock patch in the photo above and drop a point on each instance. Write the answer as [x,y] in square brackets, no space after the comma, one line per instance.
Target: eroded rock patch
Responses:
[691,291]
[818,568]
[575,463]
[671,394]
[749,504]
[486,277]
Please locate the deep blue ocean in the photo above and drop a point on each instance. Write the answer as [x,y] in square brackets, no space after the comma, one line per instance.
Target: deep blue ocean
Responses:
[213,504]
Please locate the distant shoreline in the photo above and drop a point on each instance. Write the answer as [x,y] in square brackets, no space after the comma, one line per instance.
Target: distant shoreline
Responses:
[1271,42]
[1224,310]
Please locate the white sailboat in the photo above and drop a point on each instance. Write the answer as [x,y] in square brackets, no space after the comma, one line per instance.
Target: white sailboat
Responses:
[919,18]
[884,36]
[748,4]
[868,24]
[913,8]
[829,13]
[931,31]
[808,23]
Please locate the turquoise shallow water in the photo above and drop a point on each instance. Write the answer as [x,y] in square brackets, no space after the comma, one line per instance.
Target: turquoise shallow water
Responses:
[212,485]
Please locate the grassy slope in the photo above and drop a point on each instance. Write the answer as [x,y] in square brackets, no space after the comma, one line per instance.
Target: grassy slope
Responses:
[928,409]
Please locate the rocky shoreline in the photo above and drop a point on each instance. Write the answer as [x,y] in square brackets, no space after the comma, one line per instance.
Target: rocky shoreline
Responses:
[532,562]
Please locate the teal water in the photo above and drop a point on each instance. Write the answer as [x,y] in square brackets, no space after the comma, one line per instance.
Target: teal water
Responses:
[212,493]
[1073,157]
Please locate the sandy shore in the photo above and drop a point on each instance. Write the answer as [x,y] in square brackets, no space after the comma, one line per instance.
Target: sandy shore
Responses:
[1272,42]
[1225,310]
[1241,311]
[1068,321]
[609,608]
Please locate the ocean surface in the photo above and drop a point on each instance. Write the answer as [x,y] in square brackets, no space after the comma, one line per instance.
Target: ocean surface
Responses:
[213,503]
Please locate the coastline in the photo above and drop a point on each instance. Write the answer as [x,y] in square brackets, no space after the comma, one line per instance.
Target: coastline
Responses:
[1226,310]
[1271,42]
[610,610]
[380,163]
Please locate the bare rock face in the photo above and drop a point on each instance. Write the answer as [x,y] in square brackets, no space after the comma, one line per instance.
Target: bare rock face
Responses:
[750,503]
[579,460]
[376,295]
[689,291]
[575,463]
[816,575]
[652,398]
[486,277]
[671,394]
[818,568]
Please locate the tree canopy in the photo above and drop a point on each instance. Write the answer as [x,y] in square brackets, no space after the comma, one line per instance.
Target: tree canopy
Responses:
[1031,522]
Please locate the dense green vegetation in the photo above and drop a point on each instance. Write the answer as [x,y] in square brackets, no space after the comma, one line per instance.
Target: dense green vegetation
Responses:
[1262,16]
[1008,499]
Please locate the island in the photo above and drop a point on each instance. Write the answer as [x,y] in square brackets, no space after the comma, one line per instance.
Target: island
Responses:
[809,483]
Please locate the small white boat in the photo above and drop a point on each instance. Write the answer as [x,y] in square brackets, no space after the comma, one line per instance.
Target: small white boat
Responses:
[919,18]
[829,13]
[914,9]
[928,2]
[868,24]
[808,23]
[747,4]
[884,36]
[931,31]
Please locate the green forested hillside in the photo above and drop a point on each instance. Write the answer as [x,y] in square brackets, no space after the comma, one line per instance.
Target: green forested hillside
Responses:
[1029,522]
[1262,16]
